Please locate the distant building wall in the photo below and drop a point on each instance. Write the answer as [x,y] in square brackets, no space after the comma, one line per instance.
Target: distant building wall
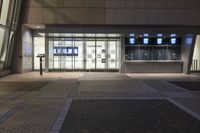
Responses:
[106,12]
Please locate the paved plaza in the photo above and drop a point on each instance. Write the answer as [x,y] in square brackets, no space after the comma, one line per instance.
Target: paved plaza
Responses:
[78,102]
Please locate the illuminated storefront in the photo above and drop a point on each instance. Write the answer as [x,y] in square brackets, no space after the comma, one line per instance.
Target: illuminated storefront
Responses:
[90,52]
[125,52]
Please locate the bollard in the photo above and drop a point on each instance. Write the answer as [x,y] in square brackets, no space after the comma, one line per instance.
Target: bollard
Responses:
[41,56]
[41,72]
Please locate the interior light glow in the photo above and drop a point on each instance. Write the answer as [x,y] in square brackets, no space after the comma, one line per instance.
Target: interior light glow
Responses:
[132,40]
[173,40]
[146,40]
[159,40]
[173,35]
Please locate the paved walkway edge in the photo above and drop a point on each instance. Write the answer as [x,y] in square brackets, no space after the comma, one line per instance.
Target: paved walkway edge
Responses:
[189,111]
[59,121]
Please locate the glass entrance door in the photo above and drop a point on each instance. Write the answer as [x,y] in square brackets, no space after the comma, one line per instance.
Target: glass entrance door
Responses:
[113,54]
[60,52]
[101,59]
[78,59]
[83,53]
[90,55]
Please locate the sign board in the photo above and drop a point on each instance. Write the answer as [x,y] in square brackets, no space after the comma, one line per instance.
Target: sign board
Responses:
[65,51]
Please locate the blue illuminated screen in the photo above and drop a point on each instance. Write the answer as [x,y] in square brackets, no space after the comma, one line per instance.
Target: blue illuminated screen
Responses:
[65,51]
[145,40]
[132,40]
[159,40]
[173,41]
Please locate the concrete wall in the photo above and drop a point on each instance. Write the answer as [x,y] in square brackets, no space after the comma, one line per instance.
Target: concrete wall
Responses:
[152,67]
[106,12]
[188,43]
[23,50]
[17,57]
[27,49]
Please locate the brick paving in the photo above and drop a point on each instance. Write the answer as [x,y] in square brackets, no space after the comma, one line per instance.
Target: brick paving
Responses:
[7,105]
[32,106]
[39,104]
[128,116]
[189,85]
[36,116]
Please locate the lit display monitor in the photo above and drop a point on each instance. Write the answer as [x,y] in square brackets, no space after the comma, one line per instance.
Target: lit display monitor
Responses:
[173,35]
[159,41]
[132,40]
[173,41]
[146,41]
[132,35]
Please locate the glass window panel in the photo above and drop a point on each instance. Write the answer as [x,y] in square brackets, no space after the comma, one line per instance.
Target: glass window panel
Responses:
[9,51]
[90,55]
[3,46]
[101,54]
[113,54]
[4,12]
[1,1]
[11,13]
[51,52]
[79,60]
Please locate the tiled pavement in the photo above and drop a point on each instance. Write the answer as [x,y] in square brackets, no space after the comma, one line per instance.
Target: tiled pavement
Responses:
[128,116]
[39,104]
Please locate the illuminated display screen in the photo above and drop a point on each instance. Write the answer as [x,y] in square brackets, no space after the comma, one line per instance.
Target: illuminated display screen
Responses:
[132,40]
[65,51]
[159,41]
[146,41]
[173,35]
[173,41]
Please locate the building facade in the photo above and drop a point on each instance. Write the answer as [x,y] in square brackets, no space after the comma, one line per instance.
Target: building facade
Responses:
[9,18]
[109,35]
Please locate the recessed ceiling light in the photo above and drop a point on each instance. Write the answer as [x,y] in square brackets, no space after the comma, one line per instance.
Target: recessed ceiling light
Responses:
[37,27]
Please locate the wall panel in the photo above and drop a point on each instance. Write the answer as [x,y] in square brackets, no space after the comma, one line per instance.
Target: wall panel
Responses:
[106,12]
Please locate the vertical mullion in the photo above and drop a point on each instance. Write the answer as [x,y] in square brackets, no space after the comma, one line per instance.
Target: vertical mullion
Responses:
[84,54]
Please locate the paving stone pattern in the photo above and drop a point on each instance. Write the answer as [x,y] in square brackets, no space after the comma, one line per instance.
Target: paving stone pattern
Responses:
[6,105]
[19,89]
[128,116]
[189,85]
[30,103]
[37,116]
[124,89]
[32,106]
[103,76]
